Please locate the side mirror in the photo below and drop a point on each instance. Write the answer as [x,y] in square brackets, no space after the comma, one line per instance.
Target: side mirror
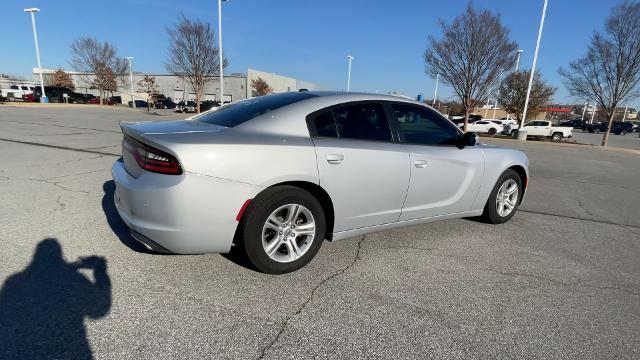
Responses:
[468,139]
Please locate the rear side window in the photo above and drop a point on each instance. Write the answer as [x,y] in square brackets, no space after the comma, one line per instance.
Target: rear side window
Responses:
[234,114]
[366,121]
[423,126]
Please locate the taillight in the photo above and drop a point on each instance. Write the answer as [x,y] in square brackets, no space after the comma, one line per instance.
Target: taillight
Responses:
[151,159]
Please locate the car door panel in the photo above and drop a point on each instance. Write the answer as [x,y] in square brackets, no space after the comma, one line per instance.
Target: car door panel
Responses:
[448,184]
[363,170]
[445,179]
[367,181]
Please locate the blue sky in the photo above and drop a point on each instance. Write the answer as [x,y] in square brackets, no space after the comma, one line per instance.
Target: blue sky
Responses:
[308,40]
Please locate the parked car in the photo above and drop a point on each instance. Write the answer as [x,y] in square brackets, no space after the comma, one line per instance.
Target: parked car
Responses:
[55,94]
[28,98]
[116,99]
[15,92]
[544,128]
[330,167]
[96,100]
[575,123]
[484,126]
[164,104]
[186,107]
[139,104]
[622,128]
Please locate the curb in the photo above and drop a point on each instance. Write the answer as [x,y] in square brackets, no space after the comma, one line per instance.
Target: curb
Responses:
[576,145]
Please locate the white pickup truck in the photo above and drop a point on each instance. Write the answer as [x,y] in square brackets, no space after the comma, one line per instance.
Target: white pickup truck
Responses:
[543,128]
[15,92]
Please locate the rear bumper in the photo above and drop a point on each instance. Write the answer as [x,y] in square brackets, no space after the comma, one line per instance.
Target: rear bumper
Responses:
[183,214]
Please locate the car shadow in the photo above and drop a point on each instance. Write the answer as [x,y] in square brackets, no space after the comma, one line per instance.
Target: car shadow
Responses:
[43,307]
[237,254]
[115,221]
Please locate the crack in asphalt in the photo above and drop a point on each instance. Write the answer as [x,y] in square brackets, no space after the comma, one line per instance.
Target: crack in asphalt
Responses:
[581,205]
[62,126]
[608,222]
[558,282]
[59,147]
[304,304]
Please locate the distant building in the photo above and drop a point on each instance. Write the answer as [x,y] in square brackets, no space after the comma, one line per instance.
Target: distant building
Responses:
[237,86]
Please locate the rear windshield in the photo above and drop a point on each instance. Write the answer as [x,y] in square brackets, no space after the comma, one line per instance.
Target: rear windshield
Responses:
[236,113]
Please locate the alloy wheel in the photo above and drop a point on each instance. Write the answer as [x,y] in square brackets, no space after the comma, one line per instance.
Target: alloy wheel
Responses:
[507,198]
[288,233]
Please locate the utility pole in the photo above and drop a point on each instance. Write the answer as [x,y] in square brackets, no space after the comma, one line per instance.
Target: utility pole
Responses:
[350,58]
[533,70]
[584,111]
[495,105]
[624,116]
[518,54]
[593,112]
[435,93]
[32,11]
[220,51]
[133,102]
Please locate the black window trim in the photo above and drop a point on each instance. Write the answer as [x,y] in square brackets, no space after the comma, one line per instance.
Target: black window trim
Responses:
[398,131]
[313,131]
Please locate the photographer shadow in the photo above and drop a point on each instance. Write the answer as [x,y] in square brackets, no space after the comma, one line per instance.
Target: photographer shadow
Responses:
[43,307]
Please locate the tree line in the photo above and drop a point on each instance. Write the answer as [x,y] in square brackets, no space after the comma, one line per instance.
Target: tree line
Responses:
[475,48]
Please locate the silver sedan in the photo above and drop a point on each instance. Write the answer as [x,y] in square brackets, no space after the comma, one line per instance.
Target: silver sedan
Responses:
[273,177]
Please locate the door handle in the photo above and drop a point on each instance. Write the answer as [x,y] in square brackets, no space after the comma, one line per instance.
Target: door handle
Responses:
[335,158]
[420,163]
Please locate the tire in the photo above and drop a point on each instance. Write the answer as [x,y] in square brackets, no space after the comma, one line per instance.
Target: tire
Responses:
[491,213]
[623,132]
[556,137]
[258,232]
[11,98]
[492,131]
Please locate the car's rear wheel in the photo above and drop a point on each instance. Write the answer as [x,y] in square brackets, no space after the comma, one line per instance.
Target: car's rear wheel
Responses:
[556,137]
[504,199]
[283,229]
[492,131]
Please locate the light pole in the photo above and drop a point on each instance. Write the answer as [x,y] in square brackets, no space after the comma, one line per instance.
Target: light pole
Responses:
[518,54]
[523,136]
[130,58]
[593,112]
[495,105]
[350,58]
[435,93]
[625,113]
[220,51]
[32,11]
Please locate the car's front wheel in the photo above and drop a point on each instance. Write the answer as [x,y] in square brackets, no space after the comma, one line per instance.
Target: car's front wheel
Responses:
[504,199]
[283,229]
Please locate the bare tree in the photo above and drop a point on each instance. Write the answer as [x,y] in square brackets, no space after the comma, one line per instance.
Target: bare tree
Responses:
[260,87]
[105,81]
[513,93]
[148,85]
[473,49]
[193,55]
[609,72]
[92,56]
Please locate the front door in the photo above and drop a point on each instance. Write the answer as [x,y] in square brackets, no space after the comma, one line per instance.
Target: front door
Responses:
[364,172]
[444,179]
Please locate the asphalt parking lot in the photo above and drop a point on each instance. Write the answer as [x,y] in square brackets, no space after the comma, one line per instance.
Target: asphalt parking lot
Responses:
[561,280]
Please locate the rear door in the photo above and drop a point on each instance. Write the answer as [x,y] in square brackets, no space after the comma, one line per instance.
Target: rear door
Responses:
[444,179]
[365,173]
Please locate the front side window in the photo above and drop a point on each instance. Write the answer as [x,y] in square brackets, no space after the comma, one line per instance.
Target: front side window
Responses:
[424,127]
